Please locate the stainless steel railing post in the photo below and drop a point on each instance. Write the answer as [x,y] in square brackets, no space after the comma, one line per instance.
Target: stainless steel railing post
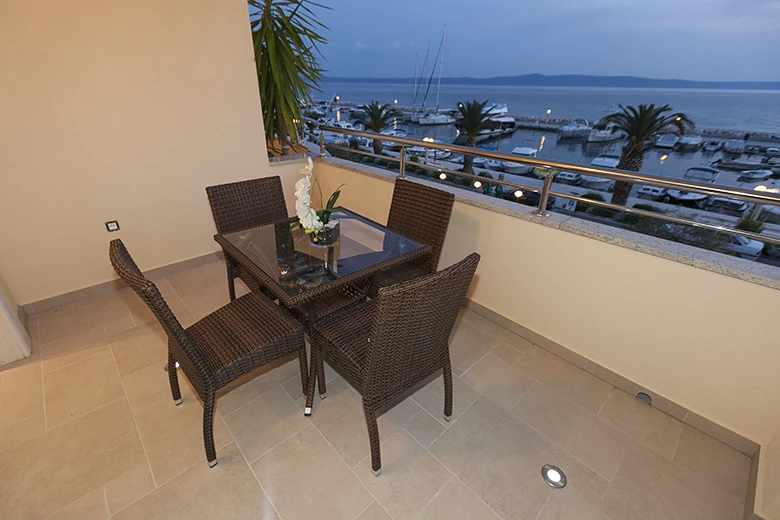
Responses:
[322,144]
[402,163]
[542,211]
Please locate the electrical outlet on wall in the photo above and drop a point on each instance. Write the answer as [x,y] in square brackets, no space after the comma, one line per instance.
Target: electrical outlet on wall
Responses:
[112,225]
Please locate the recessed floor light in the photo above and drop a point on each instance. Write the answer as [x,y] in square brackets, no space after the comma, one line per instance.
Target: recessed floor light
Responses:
[554,476]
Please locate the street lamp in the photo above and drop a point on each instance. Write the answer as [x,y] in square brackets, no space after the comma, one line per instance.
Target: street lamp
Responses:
[337,99]
[427,150]
[395,101]
[477,184]
[760,207]
[549,112]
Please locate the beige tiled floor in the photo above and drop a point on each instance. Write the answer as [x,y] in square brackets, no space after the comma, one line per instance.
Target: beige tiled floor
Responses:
[88,431]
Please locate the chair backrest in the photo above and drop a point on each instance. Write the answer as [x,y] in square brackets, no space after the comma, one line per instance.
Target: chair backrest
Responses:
[421,213]
[412,326]
[183,349]
[247,204]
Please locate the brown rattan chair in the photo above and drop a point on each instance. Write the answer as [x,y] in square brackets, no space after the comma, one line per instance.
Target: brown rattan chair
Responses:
[233,341]
[393,342]
[422,214]
[242,205]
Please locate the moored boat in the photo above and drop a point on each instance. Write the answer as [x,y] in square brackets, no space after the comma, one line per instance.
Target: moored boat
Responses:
[689,198]
[577,128]
[518,168]
[734,146]
[600,183]
[754,175]
[666,141]
[606,134]
[689,142]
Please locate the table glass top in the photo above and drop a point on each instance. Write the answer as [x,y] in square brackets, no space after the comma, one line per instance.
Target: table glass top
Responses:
[292,260]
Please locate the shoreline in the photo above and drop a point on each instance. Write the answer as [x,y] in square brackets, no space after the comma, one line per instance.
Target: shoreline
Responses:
[554,124]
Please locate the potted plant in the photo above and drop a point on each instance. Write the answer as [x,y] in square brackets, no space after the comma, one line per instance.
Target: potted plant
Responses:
[322,229]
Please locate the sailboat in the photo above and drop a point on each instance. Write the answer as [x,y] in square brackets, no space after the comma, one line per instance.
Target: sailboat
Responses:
[435,117]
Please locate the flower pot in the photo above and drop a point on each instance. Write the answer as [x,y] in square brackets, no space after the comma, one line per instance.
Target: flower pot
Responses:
[327,236]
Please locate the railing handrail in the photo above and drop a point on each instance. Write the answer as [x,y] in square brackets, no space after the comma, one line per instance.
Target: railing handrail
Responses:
[757,197]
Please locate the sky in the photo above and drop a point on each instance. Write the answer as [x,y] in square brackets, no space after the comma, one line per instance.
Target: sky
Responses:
[715,40]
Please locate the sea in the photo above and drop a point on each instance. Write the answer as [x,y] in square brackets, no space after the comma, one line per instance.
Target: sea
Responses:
[743,110]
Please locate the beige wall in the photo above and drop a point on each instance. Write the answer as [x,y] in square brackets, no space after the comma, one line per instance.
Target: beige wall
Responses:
[706,341]
[769,479]
[119,110]
[7,292]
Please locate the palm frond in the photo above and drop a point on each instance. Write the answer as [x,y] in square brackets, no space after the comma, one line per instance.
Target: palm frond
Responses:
[286,37]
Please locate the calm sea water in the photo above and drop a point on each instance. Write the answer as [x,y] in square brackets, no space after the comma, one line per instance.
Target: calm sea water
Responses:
[734,109]
[744,110]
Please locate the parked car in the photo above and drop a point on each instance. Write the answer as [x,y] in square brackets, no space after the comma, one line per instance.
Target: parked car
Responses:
[529,198]
[737,245]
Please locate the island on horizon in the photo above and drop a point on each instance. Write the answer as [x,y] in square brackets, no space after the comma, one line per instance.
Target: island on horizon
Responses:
[580,80]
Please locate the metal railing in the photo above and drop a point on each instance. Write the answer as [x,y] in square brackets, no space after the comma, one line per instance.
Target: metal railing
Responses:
[760,198]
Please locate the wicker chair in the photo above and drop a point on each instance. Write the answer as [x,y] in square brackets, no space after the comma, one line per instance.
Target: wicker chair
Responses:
[233,341]
[243,205]
[422,214]
[390,344]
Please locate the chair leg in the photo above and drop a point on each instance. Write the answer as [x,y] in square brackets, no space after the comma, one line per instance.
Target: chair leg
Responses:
[304,369]
[173,378]
[312,381]
[447,387]
[321,375]
[373,437]
[208,430]
[231,276]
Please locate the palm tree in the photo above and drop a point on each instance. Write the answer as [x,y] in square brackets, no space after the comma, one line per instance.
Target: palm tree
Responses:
[472,119]
[376,117]
[286,39]
[640,124]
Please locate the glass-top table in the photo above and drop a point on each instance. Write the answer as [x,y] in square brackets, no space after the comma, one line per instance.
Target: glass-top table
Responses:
[297,271]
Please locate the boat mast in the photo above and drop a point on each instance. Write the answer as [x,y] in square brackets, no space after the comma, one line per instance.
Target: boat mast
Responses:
[414,82]
[425,74]
[441,66]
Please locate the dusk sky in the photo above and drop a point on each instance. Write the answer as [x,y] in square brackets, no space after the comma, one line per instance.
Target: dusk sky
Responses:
[686,39]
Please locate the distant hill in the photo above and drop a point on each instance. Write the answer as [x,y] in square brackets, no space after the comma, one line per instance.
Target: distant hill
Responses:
[577,80]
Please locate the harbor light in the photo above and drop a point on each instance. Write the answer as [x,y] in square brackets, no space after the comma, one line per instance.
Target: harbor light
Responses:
[549,111]
[477,184]
[443,176]
[518,193]
[337,99]
[395,101]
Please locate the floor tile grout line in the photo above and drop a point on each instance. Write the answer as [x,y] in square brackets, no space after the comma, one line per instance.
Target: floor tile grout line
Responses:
[622,458]
[261,395]
[135,423]
[266,452]
[366,509]
[105,501]
[43,395]
[605,403]
[383,442]
[435,495]
[677,444]
[454,475]
[108,345]
[477,361]
[257,479]
[58,511]
[454,421]
[549,495]
[354,473]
